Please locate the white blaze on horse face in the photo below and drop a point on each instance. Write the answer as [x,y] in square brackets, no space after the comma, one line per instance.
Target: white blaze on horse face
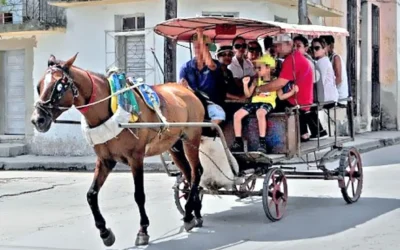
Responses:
[47,79]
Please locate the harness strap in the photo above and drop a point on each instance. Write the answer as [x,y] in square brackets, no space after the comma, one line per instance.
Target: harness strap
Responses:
[92,97]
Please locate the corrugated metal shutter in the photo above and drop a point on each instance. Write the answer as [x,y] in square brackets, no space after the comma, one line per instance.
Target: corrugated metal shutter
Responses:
[135,56]
[14,62]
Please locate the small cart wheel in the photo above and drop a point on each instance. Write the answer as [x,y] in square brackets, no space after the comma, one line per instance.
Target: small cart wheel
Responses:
[181,193]
[275,194]
[351,175]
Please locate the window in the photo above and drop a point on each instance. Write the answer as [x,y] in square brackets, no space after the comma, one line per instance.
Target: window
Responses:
[280,19]
[220,14]
[133,23]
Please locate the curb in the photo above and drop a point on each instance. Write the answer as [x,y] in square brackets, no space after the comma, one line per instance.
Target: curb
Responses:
[88,165]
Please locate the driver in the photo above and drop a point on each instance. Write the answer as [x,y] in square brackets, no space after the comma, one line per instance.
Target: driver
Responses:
[204,74]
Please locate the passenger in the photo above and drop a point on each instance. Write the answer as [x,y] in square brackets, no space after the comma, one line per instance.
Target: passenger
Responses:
[329,92]
[233,91]
[295,68]
[254,51]
[261,104]
[204,74]
[339,67]
[240,66]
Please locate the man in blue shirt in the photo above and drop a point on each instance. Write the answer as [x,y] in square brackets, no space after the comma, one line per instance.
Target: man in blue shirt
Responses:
[204,74]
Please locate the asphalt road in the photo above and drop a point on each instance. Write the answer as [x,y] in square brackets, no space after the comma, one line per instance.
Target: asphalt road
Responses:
[47,210]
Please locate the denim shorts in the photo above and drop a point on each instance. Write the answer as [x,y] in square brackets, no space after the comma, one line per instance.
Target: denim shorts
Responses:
[215,112]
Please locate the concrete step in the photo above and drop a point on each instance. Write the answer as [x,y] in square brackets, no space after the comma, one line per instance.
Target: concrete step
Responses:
[12,149]
[12,139]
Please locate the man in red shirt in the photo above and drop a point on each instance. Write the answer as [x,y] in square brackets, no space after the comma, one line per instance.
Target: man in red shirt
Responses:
[295,69]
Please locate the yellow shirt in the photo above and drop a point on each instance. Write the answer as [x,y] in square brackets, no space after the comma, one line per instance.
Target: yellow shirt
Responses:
[269,97]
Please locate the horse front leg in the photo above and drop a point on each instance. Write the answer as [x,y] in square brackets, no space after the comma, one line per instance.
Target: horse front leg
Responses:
[136,165]
[102,170]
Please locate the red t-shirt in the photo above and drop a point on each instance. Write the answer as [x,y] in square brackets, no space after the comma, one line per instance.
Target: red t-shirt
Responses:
[304,77]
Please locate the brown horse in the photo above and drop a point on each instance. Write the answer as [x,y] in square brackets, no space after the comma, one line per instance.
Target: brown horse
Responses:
[65,85]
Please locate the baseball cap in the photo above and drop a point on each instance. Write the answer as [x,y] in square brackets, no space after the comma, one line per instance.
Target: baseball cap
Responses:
[267,60]
[282,38]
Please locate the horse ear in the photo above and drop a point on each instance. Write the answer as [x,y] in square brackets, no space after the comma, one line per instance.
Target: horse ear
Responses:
[51,61]
[70,61]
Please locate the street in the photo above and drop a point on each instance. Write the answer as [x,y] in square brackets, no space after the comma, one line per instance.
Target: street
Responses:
[48,210]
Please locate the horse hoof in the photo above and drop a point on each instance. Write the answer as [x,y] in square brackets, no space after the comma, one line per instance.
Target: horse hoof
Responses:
[142,239]
[110,239]
[190,225]
[199,222]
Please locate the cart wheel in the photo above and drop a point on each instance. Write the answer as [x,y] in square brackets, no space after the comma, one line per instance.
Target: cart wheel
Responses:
[275,194]
[351,173]
[181,193]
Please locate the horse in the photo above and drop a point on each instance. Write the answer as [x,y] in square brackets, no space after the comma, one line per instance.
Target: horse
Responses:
[64,85]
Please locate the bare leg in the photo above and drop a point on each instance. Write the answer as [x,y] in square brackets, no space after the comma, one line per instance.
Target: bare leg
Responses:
[103,168]
[136,164]
[237,121]
[262,121]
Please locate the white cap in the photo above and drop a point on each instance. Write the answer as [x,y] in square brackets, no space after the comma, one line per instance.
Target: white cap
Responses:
[282,38]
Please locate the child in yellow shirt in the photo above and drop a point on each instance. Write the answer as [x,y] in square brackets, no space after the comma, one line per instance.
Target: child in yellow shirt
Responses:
[261,103]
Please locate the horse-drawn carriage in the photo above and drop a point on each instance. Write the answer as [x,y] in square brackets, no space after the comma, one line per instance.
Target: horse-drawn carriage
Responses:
[283,140]
[160,117]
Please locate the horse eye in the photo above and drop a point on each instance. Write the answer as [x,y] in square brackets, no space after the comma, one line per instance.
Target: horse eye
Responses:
[59,87]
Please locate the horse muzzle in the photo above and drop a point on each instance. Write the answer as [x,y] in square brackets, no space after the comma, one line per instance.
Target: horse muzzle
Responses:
[41,121]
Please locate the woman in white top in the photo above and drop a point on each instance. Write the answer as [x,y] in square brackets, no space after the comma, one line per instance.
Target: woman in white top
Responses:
[240,66]
[330,92]
[339,67]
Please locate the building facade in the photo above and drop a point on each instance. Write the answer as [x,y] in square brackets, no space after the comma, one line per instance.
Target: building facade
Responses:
[107,33]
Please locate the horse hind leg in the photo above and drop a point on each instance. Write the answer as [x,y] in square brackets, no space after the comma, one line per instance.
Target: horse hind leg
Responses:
[191,148]
[102,170]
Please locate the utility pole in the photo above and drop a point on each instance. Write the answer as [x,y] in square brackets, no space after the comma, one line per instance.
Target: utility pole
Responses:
[351,42]
[303,12]
[171,9]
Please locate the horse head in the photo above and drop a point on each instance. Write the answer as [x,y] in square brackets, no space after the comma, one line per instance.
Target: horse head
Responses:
[57,93]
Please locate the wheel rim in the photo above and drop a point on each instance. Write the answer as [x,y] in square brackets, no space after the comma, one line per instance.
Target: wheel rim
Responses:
[277,194]
[353,175]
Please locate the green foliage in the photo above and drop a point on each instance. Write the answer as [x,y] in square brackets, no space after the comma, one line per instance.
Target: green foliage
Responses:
[3,2]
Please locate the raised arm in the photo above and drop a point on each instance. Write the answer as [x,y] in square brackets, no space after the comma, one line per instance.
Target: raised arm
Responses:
[248,91]
[204,51]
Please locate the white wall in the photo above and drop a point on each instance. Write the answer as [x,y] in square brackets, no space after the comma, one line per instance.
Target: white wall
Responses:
[86,34]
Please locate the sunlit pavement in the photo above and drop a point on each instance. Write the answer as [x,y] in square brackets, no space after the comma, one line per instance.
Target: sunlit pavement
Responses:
[48,210]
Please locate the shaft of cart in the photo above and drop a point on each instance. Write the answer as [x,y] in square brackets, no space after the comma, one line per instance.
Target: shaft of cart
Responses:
[160,125]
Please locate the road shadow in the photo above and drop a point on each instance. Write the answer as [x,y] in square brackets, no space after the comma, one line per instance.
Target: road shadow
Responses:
[306,217]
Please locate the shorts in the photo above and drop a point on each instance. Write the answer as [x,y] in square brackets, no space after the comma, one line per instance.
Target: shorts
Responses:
[216,112]
[252,108]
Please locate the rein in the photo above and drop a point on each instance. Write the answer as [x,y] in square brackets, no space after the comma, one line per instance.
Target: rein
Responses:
[66,82]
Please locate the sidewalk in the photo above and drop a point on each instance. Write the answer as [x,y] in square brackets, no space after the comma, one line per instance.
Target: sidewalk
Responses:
[363,142]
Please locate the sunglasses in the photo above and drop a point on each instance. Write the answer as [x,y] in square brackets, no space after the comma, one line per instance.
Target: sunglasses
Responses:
[225,54]
[239,46]
[252,49]
[316,48]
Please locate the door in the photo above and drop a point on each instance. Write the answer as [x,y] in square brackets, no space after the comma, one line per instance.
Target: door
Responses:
[375,102]
[14,62]
[135,59]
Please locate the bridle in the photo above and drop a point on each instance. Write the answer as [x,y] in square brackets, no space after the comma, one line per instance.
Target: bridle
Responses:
[62,85]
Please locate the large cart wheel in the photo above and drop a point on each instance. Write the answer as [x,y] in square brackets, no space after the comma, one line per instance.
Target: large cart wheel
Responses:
[275,194]
[351,175]
[181,193]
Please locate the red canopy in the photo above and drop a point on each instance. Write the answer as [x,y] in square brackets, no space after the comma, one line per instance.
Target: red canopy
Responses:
[227,28]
